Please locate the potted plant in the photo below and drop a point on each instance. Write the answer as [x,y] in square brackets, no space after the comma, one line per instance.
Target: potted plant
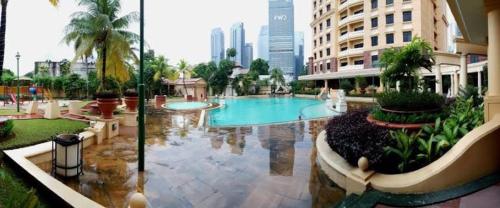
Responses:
[131,100]
[107,102]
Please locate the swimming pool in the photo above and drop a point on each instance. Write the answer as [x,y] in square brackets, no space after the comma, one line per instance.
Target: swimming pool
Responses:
[186,105]
[259,111]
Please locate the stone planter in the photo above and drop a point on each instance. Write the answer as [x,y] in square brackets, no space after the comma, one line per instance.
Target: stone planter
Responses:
[107,106]
[132,103]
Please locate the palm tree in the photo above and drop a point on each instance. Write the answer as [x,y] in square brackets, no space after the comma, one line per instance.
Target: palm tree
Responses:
[185,70]
[100,29]
[163,70]
[277,76]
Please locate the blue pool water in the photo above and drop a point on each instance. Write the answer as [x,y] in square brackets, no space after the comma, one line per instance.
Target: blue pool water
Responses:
[258,111]
[186,105]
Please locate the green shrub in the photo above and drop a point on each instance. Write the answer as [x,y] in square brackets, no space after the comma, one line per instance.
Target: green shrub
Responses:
[14,193]
[410,101]
[346,85]
[6,129]
[411,118]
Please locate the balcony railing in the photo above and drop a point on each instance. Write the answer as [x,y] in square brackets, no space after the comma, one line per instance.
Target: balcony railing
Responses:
[351,18]
[351,67]
[349,35]
[346,3]
[351,52]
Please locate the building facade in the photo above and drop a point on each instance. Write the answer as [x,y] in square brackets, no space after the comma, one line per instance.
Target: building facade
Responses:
[238,41]
[217,45]
[263,48]
[349,35]
[248,55]
[281,37]
[299,53]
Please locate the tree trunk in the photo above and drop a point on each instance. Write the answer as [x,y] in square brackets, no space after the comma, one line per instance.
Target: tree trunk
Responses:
[184,83]
[3,26]
[103,75]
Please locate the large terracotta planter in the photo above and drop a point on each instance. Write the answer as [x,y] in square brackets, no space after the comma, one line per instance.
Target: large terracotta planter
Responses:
[132,103]
[107,106]
[160,100]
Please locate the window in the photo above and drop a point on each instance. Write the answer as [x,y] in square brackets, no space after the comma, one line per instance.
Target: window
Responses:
[375,61]
[328,7]
[328,23]
[474,58]
[327,52]
[358,28]
[328,66]
[321,41]
[321,54]
[359,62]
[320,12]
[406,36]
[407,16]
[314,43]
[374,40]
[389,38]
[314,16]
[314,30]
[343,48]
[374,22]
[315,56]
[314,3]
[328,37]
[343,64]
[343,32]
[389,2]
[358,12]
[374,4]
[343,17]
[389,19]
[320,26]
[359,45]
[321,67]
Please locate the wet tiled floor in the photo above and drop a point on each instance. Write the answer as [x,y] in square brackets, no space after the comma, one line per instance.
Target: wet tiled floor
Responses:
[264,166]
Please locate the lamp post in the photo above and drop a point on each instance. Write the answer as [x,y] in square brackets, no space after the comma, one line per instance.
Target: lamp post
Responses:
[141,128]
[18,56]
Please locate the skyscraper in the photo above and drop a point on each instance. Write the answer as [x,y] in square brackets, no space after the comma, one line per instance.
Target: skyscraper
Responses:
[263,50]
[281,36]
[299,53]
[238,41]
[248,55]
[217,45]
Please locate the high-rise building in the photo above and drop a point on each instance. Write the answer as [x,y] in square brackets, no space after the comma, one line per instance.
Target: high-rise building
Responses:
[248,55]
[299,52]
[217,45]
[264,43]
[281,37]
[238,41]
[349,36]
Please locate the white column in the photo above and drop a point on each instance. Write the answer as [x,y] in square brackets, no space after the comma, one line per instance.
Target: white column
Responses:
[479,82]
[326,84]
[463,71]
[439,80]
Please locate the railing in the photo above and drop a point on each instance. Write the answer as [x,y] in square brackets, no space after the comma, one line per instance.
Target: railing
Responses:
[349,35]
[351,18]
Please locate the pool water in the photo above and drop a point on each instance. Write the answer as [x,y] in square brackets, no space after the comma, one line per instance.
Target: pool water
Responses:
[186,105]
[259,111]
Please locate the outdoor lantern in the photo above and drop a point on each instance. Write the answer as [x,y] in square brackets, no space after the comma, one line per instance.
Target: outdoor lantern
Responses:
[67,155]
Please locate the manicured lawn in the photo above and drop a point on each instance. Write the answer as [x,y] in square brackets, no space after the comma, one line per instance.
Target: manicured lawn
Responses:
[10,112]
[29,132]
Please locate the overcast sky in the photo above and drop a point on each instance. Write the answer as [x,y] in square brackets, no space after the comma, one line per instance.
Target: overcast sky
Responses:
[174,28]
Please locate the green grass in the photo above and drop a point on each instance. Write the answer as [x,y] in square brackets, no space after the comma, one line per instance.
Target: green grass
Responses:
[29,132]
[10,112]
[15,193]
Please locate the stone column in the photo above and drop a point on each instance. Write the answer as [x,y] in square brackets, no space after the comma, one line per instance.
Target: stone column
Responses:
[439,80]
[455,84]
[326,84]
[492,101]
[463,71]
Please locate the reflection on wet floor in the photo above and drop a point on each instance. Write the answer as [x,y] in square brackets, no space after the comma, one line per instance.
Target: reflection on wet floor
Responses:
[262,166]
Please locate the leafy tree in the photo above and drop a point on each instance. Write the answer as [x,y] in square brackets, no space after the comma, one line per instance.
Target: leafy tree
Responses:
[220,79]
[58,83]
[231,53]
[73,86]
[206,72]
[185,70]
[65,66]
[346,85]
[260,66]
[29,74]
[100,29]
